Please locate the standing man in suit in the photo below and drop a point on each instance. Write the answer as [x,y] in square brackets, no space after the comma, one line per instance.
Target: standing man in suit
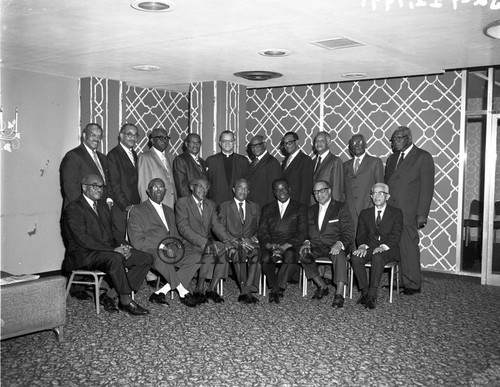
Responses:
[122,177]
[360,174]
[297,169]
[282,230]
[197,219]
[263,170]
[157,163]
[82,161]
[150,222]
[188,165]
[378,236]
[409,173]
[92,246]
[330,235]
[241,218]
[224,169]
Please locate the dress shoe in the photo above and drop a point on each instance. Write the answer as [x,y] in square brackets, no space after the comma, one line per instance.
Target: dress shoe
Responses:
[108,303]
[409,291]
[81,295]
[244,298]
[189,300]
[158,298]
[338,301]
[134,309]
[274,297]
[200,298]
[362,300]
[320,293]
[327,281]
[281,293]
[253,299]
[371,303]
[214,296]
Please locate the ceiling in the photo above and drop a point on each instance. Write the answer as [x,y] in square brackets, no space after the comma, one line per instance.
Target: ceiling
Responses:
[207,40]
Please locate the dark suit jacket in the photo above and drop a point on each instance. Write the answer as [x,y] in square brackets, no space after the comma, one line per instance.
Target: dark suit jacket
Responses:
[150,167]
[229,216]
[358,186]
[330,170]
[75,165]
[146,229]
[261,179]
[337,226]
[291,229]
[186,169]
[86,233]
[122,178]
[193,228]
[220,189]
[412,185]
[299,175]
[387,233]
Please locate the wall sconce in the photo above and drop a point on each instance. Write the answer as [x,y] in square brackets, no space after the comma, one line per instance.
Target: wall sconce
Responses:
[10,138]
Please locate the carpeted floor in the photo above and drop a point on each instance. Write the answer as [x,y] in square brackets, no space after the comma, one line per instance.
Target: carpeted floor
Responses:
[448,335]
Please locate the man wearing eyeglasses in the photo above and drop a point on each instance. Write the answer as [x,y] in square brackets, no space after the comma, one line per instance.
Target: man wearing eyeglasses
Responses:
[379,232]
[330,235]
[91,245]
[409,173]
[157,163]
[189,165]
[122,176]
[224,169]
[263,170]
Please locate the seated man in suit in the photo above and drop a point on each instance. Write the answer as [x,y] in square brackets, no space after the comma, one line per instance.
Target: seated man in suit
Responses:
[149,223]
[91,246]
[241,219]
[196,220]
[282,230]
[330,235]
[379,232]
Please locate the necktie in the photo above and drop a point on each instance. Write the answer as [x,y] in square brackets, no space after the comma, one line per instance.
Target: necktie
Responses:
[94,206]
[253,164]
[242,214]
[282,210]
[131,156]
[401,158]
[200,207]
[379,219]
[96,161]
[356,165]
[164,161]
[318,162]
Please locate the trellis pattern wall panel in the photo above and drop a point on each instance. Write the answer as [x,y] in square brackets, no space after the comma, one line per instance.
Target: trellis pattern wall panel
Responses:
[429,105]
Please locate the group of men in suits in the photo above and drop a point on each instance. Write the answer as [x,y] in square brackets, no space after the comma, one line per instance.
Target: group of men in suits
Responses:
[302,215]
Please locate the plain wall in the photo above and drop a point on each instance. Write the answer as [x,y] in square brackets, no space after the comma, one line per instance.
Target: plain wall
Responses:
[30,194]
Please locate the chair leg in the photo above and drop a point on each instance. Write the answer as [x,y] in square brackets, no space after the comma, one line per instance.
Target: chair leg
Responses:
[97,283]
[70,282]
[304,282]
[264,284]
[391,284]
[220,287]
[351,281]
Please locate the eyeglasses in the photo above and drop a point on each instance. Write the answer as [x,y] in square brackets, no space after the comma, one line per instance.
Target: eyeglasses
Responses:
[201,186]
[288,143]
[227,141]
[131,135]
[95,186]
[162,138]
[320,191]
[158,188]
[256,145]
[194,142]
[379,193]
[359,142]
[398,138]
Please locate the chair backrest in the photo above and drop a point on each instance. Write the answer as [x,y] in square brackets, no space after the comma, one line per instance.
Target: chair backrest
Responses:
[497,208]
[476,208]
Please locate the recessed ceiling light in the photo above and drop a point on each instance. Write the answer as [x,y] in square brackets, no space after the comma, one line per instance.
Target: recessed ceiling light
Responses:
[258,75]
[146,68]
[275,52]
[354,75]
[153,6]
[493,30]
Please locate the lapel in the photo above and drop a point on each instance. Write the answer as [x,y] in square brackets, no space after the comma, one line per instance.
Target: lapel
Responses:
[294,162]
[155,214]
[195,209]
[125,157]
[329,214]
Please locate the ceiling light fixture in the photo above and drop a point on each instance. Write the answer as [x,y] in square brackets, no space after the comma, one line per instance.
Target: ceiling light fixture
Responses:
[258,75]
[275,52]
[146,67]
[493,30]
[153,6]
[353,75]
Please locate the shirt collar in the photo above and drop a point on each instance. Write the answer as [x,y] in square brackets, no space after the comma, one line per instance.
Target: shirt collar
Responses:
[155,204]
[326,204]
[160,154]
[89,201]
[262,155]
[360,157]
[408,150]
[125,148]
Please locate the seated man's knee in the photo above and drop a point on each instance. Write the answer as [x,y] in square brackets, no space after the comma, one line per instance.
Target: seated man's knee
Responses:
[290,256]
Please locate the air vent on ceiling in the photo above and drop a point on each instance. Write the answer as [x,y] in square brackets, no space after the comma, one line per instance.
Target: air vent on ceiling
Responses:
[336,43]
[258,75]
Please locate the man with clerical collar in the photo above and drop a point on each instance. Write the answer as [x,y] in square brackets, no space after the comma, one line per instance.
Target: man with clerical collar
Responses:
[189,165]
[379,233]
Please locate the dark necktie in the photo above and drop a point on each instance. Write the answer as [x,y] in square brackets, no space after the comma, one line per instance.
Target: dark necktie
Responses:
[99,166]
[318,162]
[253,164]
[242,214]
[94,206]
[356,166]
[379,219]
[200,207]
[400,159]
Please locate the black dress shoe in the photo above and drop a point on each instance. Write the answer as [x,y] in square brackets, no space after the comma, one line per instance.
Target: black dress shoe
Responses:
[362,300]
[108,303]
[281,293]
[253,299]
[200,298]
[81,295]
[371,303]
[320,293]
[274,297]
[214,296]
[244,298]
[158,298]
[338,301]
[327,281]
[134,309]
[410,292]
[189,300]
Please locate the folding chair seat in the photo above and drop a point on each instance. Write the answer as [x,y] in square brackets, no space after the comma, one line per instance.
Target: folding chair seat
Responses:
[322,261]
[394,269]
[97,277]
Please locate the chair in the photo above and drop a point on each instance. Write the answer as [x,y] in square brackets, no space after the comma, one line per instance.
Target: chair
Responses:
[476,209]
[394,269]
[96,282]
[496,223]
[321,261]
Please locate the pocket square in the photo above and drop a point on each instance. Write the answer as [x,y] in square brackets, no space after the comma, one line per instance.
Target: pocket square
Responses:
[333,221]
